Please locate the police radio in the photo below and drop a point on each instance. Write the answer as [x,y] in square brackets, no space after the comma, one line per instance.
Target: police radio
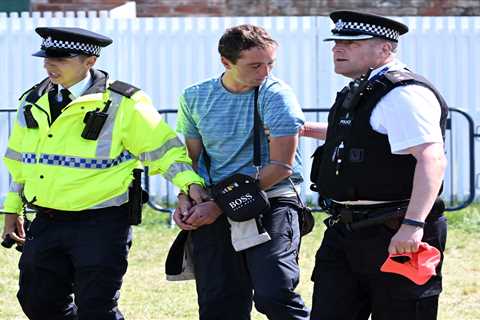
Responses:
[355,91]
[94,122]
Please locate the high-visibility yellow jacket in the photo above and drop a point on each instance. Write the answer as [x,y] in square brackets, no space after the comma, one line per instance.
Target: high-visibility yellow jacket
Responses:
[61,170]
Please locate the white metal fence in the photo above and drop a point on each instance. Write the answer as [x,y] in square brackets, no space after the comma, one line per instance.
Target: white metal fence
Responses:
[163,55]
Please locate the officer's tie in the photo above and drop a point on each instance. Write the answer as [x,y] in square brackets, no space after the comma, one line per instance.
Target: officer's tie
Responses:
[56,105]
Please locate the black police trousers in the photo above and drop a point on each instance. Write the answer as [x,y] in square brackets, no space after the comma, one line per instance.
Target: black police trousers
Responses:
[348,283]
[268,273]
[73,263]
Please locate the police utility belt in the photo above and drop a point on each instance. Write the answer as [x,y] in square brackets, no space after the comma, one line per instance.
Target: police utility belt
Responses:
[136,198]
[356,217]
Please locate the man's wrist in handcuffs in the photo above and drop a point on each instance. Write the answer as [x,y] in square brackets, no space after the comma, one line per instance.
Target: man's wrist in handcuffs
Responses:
[181,193]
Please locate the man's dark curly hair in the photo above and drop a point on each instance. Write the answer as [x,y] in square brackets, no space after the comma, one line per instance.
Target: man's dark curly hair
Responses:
[243,37]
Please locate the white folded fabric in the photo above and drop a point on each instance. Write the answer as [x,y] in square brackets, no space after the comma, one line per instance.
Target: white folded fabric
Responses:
[247,234]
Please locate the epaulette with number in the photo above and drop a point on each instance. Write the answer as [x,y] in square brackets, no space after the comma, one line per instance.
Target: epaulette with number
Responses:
[125,89]
[399,76]
[406,77]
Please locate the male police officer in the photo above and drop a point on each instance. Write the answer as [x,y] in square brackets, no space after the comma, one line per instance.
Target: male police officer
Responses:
[75,142]
[383,153]
[216,116]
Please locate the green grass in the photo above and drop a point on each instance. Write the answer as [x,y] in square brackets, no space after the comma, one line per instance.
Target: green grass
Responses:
[466,220]
[147,295]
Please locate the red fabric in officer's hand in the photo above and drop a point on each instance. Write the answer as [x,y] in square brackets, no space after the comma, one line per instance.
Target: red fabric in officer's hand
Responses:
[417,266]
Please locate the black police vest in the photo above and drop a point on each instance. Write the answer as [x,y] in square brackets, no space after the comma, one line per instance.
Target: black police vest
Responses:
[356,161]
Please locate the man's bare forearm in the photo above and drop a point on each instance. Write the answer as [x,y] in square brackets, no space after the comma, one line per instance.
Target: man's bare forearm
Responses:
[317,130]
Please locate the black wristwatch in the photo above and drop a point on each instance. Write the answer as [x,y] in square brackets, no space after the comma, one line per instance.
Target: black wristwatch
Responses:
[414,223]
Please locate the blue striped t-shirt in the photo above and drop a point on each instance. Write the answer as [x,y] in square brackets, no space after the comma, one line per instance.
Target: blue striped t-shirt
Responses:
[223,120]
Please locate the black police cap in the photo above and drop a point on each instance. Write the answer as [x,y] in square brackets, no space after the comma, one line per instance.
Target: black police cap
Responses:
[353,25]
[68,42]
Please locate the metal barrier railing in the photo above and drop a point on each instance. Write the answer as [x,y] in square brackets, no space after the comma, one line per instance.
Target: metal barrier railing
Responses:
[471,147]
[473,133]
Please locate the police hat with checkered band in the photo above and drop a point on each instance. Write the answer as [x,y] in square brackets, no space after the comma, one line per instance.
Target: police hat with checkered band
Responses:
[351,25]
[69,42]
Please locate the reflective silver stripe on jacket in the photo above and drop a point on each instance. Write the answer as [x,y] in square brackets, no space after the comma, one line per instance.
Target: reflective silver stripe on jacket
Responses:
[77,162]
[174,169]
[104,143]
[117,201]
[16,187]
[13,155]
[160,152]
[21,116]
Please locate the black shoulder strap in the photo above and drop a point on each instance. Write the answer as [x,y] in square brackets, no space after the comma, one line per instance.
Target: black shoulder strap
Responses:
[125,89]
[398,78]
[389,81]
[257,161]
